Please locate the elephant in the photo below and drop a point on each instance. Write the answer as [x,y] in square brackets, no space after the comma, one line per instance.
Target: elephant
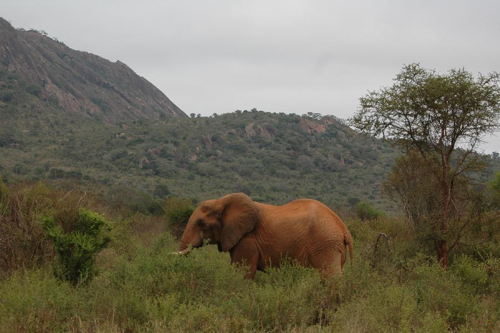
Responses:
[260,235]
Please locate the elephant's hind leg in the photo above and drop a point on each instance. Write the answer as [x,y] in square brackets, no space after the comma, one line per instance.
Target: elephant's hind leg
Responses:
[328,263]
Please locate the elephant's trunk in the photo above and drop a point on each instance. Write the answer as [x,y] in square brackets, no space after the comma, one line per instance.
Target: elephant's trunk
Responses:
[190,239]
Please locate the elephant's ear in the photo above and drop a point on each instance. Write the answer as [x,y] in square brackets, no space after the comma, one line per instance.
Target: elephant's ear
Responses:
[239,215]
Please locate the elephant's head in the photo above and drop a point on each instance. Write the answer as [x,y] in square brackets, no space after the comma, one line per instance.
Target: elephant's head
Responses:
[223,221]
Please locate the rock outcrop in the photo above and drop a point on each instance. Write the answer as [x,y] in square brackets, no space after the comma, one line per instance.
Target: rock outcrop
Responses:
[81,82]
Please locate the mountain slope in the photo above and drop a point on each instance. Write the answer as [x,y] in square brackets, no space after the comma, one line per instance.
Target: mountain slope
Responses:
[273,157]
[71,117]
[81,82]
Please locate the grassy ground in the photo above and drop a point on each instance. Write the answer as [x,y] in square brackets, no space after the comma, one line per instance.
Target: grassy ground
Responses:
[141,287]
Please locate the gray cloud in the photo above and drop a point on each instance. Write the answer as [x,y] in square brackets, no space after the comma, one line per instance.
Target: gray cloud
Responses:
[282,56]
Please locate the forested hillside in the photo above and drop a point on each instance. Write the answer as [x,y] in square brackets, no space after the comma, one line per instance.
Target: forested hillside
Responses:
[273,157]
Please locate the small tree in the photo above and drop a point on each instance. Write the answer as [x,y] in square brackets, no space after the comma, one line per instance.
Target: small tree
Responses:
[365,211]
[442,118]
[410,186]
[494,187]
[77,248]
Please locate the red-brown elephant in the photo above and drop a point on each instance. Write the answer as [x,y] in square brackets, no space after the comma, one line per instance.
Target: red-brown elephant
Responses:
[260,235]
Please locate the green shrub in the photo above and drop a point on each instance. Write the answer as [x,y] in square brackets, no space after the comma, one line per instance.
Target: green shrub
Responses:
[472,273]
[365,211]
[433,322]
[441,291]
[291,296]
[133,200]
[383,308]
[161,191]
[177,212]
[33,89]
[6,96]
[76,250]
[494,187]
[34,301]
[493,269]
[56,173]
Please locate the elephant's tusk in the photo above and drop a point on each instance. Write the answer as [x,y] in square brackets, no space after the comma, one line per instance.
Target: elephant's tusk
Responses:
[183,252]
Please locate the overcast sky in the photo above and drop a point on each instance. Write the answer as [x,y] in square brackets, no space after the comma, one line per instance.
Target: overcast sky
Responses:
[289,56]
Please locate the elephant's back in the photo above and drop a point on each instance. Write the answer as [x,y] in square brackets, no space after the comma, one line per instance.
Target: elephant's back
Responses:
[303,221]
[304,229]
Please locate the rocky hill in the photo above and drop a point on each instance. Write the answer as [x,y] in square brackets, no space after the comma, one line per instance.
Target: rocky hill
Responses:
[71,117]
[274,158]
[80,82]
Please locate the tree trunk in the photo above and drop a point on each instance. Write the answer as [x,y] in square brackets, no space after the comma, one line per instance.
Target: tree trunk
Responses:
[442,251]
[446,187]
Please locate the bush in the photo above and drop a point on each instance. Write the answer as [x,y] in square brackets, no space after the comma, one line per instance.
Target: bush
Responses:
[6,96]
[441,291]
[494,187]
[76,250]
[34,301]
[365,211]
[177,212]
[161,191]
[133,200]
[33,89]
[472,273]
[390,308]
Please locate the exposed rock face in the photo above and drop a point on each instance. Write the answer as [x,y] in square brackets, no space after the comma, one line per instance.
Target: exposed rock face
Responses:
[309,126]
[144,163]
[80,81]
[252,130]
[249,130]
[208,141]
[156,151]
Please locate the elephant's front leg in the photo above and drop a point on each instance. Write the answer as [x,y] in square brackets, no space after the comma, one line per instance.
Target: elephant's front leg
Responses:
[246,253]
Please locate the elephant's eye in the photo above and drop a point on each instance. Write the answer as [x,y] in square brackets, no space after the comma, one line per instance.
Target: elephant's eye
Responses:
[202,224]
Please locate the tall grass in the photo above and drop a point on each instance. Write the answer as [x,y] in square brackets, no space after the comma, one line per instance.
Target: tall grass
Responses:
[141,287]
[22,239]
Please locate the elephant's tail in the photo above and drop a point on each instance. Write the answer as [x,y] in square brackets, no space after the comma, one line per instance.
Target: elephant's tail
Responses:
[349,243]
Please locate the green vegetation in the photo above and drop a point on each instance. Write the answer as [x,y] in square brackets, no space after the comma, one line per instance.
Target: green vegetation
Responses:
[77,247]
[177,213]
[275,157]
[494,187]
[392,286]
[79,172]
[365,211]
[438,121]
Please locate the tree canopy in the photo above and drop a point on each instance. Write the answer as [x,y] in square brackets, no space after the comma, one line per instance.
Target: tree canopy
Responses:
[442,118]
[427,110]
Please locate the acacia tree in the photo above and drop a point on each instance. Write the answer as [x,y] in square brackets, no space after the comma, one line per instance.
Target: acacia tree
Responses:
[417,194]
[442,118]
